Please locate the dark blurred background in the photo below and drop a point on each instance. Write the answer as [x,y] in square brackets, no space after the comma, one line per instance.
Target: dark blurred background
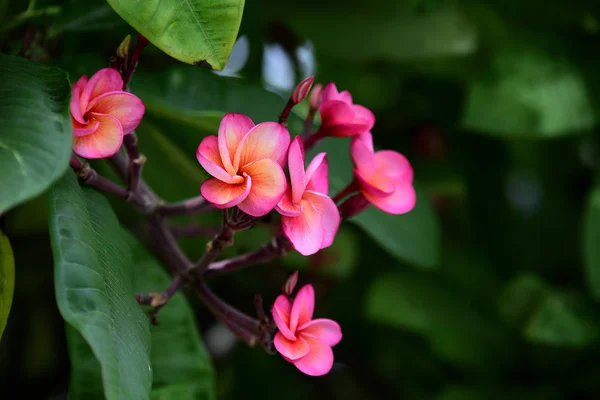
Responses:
[488,291]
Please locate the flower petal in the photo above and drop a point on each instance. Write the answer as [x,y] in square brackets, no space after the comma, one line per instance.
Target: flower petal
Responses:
[232,130]
[362,115]
[125,107]
[286,206]
[330,215]
[225,195]
[104,81]
[104,142]
[336,112]
[345,96]
[330,92]
[401,201]
[303,307]
[296,168]
[76,111]
[326,330]
[208,156]
[317,174]
[265,140]
[376,185]
[281,316]
[394,165]
[305,231]
[319,359]
[268,186]
[362,156]
[291,349]
[84,129]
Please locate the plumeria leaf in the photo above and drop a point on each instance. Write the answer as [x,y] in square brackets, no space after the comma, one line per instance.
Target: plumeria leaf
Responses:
[35,144]
[93,278]
[199,32]
[591,238]
[86,16]
[7,280]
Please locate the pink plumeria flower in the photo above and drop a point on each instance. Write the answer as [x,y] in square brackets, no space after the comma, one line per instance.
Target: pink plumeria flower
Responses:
[246,162]
[340,117]
[101,113]
[301,340]
[310,219]
[384,177]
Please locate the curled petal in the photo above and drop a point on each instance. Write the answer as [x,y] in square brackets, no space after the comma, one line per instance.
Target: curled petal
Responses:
[317,174]
[303,307]
[268,186]
[291,349]
[286,206]
[296,168]
[281,316]
[104,81]
[76,111]
[319,359]
[376,186]
[330,216]
[363,157]
[232,130]
[125,107]
[84,129]
[265,140]
[401,201]
[394,165]
[208,156]
[305,231]
[326,330]
[225,195]
[104,142]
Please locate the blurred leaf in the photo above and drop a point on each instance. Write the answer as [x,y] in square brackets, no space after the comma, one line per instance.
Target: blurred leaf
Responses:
[93,274]
[85,16]
[28,218]
[35,145]
[86,374]
[180,362]
[7,280]
[591,242]
[200,32]
[413,237]
[529,92]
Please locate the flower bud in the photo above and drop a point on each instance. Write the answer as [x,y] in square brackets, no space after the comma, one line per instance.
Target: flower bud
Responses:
[302,90]
[353,206]
[123,49]
[315,96]
[290,284]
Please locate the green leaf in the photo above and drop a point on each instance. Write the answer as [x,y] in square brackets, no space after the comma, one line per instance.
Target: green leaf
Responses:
[86,16]
[35,145]
[7,280]
[180,361]
[200,32]
[413,237]
[93,270]
[529,92]
[591,241]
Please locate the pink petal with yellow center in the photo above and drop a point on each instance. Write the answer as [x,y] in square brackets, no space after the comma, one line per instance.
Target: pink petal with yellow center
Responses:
[330,216]
[296,168]
[286,206]
[104,142]
[362,115]
[125,107]
[225,195]
[268,186]
[305,232]
[319,359]
[317,174]
[303,307]
[401,201]
[376,185]
[281,316]
[208,156]
[394,165]
[76,111]
[363,158]
[104,81]
[326,330]
[291,349]
[84,129]
[232,130]
[265,140]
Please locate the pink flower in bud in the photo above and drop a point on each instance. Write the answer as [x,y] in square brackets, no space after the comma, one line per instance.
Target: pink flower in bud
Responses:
[340,117]
[101,113]
[246,162]
[301,340]
[290,284]
[354,205]
[302,90]
[310,219]
[384,177]
[315,96]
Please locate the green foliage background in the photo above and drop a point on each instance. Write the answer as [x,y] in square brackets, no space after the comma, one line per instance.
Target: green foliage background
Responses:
[488,290]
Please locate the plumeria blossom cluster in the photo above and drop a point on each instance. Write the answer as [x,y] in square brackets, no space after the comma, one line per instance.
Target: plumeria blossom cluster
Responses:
[256,169]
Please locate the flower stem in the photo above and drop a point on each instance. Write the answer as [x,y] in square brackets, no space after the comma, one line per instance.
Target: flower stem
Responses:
[312,140]
[89,175]
[191,206]
[351,188]
[193,230]
[308,122]
[286,111]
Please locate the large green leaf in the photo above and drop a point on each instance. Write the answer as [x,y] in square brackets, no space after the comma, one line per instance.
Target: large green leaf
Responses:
[413,237]
[591,242]
[200,32]
[35,144]
[93,273]
[7,280]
